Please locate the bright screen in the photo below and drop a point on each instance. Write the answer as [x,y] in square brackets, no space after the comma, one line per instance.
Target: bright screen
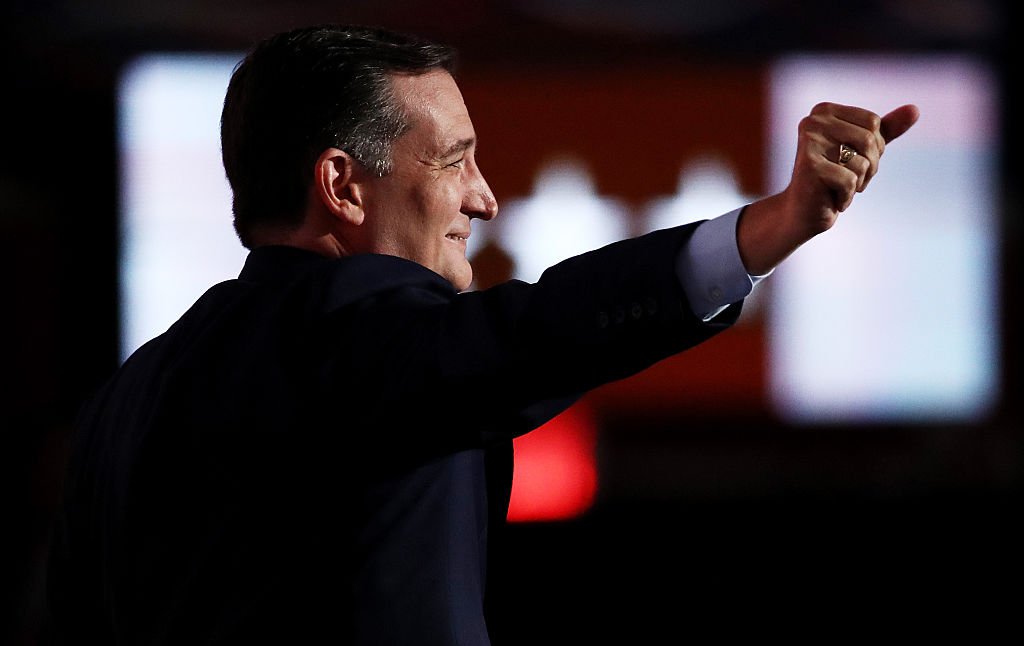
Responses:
[894,315]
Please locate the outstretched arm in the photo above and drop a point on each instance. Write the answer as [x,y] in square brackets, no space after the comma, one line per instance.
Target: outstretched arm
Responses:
[822,186]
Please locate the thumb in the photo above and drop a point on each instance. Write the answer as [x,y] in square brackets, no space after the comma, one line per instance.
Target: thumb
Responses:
[899,121]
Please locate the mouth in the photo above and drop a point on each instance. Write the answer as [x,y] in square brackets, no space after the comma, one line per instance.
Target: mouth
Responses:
[456,237]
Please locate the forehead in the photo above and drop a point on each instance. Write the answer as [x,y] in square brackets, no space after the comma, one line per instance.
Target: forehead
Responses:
[434,105]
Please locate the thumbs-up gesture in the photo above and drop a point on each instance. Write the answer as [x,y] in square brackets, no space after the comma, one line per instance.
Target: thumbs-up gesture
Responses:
[838,153]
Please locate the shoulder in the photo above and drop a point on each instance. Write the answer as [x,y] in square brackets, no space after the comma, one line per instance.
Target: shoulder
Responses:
[334,283]
[357,278]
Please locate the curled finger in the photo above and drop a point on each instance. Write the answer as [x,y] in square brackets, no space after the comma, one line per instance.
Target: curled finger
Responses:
[850,159]
[843,181]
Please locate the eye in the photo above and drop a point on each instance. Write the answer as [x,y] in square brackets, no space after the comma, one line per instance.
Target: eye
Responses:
[457,163]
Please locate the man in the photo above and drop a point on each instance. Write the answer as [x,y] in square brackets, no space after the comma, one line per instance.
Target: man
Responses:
[321,449]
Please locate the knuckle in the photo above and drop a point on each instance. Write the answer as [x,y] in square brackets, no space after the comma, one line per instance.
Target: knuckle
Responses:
[866,143]
[818,163]
[823,107]
[850,183]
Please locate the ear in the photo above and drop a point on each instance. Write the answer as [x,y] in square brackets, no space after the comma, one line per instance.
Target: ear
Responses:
[335,187]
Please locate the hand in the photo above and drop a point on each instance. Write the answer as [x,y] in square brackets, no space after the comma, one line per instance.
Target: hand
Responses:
[821,187]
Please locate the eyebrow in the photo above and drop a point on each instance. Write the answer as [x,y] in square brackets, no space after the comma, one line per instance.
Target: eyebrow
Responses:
[457,147]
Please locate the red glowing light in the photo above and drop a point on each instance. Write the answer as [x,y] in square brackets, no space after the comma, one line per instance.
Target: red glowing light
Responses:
[555,469]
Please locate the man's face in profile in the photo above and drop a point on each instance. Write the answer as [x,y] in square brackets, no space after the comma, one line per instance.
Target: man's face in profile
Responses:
[422,210]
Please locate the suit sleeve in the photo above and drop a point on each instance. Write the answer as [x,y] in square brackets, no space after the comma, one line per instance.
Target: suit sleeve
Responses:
[503,360]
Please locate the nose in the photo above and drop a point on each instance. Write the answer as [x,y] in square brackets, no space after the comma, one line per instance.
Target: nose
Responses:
[479,201]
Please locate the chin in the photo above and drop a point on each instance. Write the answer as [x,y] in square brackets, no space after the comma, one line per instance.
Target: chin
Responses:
[461,284]
[461,278]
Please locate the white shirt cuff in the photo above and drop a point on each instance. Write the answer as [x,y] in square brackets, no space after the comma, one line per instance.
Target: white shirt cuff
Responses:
[710,269]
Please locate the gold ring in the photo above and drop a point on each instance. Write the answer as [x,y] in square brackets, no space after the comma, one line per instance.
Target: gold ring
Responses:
[846,153]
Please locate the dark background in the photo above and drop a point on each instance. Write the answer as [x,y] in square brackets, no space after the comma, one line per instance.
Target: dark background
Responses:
[765,530]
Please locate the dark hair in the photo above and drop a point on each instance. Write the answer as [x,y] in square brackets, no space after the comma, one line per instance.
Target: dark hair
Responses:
[303,91]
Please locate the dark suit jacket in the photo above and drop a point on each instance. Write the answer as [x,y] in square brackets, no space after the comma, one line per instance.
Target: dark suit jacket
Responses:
[320,450]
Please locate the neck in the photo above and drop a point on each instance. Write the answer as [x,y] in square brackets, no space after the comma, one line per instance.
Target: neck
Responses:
[321,242]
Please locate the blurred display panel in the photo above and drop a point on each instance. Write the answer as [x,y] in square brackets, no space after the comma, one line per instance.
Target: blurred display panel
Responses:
[176,234]
[655,145]
[600,154]
[894,315]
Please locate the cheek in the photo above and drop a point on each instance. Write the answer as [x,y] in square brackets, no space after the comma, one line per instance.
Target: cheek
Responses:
[439,208]
[423,214]
[449,191]
[432,201]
